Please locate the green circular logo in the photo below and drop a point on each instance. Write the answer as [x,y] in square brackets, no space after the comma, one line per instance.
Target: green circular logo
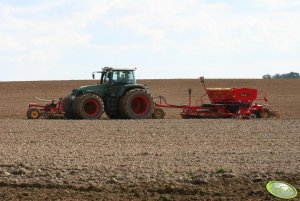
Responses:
[281,189]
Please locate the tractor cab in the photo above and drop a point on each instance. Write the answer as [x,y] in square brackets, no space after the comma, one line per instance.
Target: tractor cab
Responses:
[118,76]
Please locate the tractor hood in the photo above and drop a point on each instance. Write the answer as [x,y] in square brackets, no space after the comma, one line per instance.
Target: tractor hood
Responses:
[83,89]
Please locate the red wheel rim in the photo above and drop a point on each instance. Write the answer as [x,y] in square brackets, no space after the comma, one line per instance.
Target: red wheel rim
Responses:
[140,105]
[91,107]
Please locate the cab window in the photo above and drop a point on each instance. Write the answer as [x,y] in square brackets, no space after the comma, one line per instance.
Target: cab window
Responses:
[123,77]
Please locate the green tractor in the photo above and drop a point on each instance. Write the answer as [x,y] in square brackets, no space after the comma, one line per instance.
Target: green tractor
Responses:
[117,94]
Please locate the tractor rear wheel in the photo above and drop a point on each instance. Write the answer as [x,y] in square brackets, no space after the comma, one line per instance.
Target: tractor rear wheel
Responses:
[158,113]
[137,104]
[33,113]
[88,106]
[67,107]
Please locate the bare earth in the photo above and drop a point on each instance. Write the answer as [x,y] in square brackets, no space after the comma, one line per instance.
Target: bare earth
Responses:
[170,159]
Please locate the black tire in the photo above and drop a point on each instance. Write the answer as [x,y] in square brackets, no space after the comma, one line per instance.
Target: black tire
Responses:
[137,104]
[265,112]
[252,116]
[67,104]
[33,113]
[88,106]
[158,113]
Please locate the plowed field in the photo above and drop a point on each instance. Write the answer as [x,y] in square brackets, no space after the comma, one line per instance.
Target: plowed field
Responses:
[170,159]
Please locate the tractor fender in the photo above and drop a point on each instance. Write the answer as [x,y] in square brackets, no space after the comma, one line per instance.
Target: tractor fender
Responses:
[90,92]
[79,93]
[127,88]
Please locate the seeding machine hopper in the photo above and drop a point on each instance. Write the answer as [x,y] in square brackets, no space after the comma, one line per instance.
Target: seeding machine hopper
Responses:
[223,103]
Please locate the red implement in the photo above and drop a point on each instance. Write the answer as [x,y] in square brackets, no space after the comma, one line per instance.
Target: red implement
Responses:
[224,103]
[50,109]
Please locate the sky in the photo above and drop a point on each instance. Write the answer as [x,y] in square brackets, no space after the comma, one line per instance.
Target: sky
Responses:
[69,39]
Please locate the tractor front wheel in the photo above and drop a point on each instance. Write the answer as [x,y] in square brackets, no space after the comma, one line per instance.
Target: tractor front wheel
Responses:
[33,113]
[88,106]
[137,104]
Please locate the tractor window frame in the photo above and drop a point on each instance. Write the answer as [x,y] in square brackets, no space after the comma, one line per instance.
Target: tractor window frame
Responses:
[105,78]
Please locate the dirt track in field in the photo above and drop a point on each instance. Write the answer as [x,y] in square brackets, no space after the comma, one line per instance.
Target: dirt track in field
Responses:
[171,159]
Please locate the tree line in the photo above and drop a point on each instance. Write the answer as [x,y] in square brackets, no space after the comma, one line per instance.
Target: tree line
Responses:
[291,75]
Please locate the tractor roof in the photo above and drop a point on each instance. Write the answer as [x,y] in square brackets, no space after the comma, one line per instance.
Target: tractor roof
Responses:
[105,69]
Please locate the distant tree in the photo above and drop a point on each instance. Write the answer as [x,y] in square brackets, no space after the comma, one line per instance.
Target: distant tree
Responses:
[267,76]
[291,75]
[276,76]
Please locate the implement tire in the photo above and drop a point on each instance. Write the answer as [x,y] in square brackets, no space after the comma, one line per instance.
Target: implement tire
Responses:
[137,104]
[158,113]
[265,112]
[33,113]
[67,104]
[88,106]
